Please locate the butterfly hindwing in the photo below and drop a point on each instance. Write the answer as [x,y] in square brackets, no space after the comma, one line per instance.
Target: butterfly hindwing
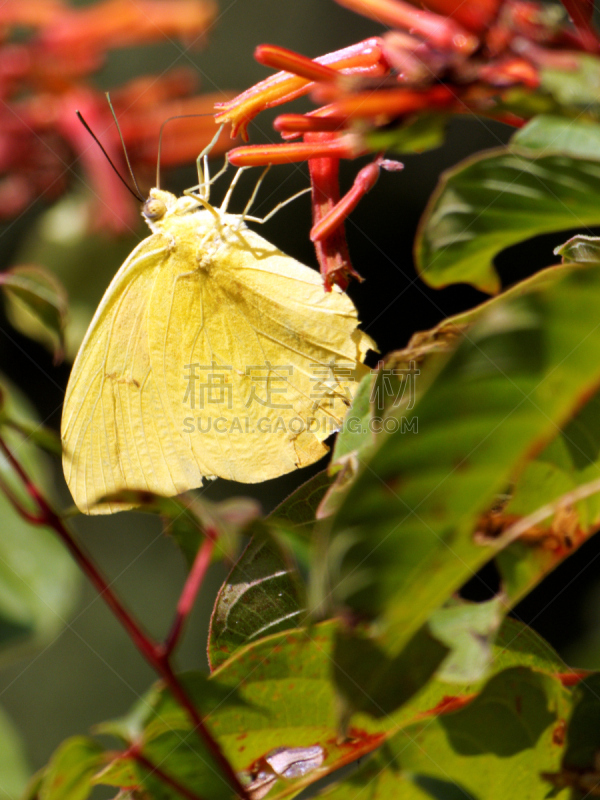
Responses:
[253,369]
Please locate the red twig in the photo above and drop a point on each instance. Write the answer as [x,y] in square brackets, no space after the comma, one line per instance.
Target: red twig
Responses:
[190,590]
[156,654]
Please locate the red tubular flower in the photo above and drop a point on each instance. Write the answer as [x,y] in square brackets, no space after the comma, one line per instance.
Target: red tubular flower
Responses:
[442,32]
[475,17]
[47,56]
[363,183]
[582,13]
[331,249]
[365,57]
[120,23]
[290,126]
[347,146]
[446,56]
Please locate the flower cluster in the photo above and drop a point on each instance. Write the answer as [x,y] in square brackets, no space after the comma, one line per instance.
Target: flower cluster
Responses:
[49,52]
[446,57]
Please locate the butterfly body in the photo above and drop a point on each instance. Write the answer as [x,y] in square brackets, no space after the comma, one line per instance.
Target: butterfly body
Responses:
[209,355]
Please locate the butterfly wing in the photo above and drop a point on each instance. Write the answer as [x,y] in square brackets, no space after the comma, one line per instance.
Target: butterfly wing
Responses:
[260,363]
[211,354]
[116,434]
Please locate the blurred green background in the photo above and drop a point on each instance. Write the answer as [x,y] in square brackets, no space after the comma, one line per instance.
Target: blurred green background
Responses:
[90,671]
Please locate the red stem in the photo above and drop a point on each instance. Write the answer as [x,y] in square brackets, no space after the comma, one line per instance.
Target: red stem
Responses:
[190,590]
[154,653]
[33,519]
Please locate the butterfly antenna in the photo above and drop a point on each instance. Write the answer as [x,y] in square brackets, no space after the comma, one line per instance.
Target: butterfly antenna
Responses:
[114,116]
[138,195]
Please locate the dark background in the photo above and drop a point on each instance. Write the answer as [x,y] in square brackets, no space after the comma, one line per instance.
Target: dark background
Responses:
[91,671]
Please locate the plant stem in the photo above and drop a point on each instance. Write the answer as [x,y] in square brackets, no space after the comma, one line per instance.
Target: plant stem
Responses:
[190,589]
[157,655]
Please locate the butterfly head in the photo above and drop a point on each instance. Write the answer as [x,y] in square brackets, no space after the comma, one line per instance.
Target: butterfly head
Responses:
[161,204]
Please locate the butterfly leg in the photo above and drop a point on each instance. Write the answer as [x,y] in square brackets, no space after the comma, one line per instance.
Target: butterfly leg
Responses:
[276,209]
[232,185]
[204,181]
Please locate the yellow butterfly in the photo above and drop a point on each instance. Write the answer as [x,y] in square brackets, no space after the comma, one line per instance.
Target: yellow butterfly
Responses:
[211,354]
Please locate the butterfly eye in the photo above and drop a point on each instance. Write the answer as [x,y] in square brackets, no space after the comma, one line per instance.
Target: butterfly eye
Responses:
[154,208]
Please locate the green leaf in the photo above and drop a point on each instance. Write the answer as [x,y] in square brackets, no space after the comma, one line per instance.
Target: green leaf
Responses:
[516,645]
[519,645]
[579,769]
[298,511]
[380,395]
[402,541]
[583,732]
[422,132]
[495,200]
[261,596]
[468,630]
[277,692]
[183,759]
[357,432]
[36,305]
[374,683]
[290,697]
[280,692]
[293,522]
[577,89]
[569,463]
[13,765]
[188,516]
[162,729]
[69,774]
[38,579]
[157,713]
[415,682]
[495,748]
[567,137]
[580,249]
[355,438]
[381,779]
[439,789]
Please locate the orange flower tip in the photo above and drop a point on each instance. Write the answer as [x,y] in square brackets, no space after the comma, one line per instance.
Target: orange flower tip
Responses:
[284,86]
[300,123]
[465,43]
[239,124]
[288,61]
